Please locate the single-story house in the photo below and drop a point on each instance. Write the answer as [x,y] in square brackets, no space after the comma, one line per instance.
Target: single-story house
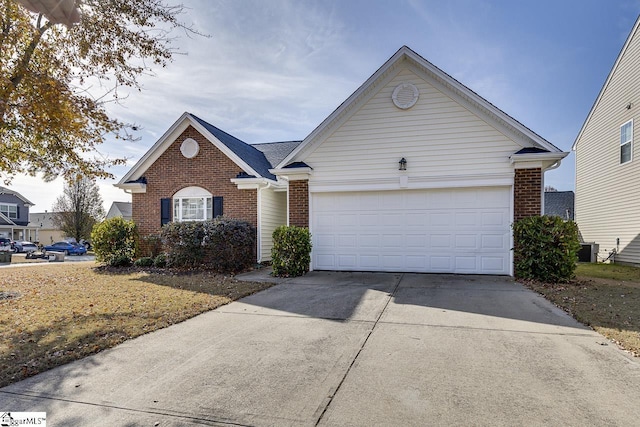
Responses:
[413,172]
[607,168]
[119,209]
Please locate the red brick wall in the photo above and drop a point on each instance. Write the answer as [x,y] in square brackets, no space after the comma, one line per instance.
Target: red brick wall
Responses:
[527,193]
[210,169]
[299,203]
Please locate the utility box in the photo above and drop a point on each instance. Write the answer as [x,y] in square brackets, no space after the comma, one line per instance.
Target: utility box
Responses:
[588,252]
[5,257]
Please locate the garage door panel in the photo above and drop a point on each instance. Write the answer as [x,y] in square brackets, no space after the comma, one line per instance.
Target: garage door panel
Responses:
[466,241]
[493,241]
[440,219]
[444,230]
[347,261]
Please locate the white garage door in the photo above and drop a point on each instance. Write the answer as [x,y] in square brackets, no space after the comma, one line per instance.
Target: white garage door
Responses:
[446,230]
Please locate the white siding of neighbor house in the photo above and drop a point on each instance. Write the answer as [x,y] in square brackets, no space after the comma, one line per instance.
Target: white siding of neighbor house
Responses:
[273,213]
[438,137]
[607,192]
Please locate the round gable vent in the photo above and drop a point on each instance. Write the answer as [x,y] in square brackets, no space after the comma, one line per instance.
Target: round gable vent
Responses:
[405,96]
[189,148]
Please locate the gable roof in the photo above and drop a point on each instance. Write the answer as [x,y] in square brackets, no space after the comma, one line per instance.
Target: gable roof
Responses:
[454,86]
[120,209]
[250,154]
[4,190]
[559,203]
[248,158]
[632,34]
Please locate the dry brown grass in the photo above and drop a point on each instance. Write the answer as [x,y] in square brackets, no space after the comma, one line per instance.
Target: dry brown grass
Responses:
[603,296]
[55,313]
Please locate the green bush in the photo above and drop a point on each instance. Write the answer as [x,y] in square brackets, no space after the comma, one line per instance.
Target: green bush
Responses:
[224,245]
[291,252]
[145,261]
[545,248]
[160,261]
[114,241]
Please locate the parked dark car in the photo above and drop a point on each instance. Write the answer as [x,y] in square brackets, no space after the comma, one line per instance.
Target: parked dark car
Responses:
[67,247]
[24,246]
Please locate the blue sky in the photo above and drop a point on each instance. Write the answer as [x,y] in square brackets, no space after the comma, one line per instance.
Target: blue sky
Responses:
[272,70]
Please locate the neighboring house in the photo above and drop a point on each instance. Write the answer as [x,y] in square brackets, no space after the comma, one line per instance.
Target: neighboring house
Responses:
[559,203]
[44,230]
[413,172]
[14,215]
[607,163]
[121,209]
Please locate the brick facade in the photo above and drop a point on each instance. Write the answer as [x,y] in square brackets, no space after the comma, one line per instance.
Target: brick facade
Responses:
[299,203]
[210,169]
[527,193]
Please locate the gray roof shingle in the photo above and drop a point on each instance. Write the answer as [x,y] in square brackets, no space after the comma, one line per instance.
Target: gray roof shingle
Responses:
[251,155]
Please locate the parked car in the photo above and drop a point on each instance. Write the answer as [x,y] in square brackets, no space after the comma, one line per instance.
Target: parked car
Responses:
[24,246]
[6,244]
[67,247]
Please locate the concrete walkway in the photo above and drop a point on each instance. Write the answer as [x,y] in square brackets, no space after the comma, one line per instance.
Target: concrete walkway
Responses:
[353,349]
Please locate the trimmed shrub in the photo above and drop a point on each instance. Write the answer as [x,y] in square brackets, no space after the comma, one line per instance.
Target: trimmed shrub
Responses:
[229,245]
[545,248]
[224,245]
[160,261]
[114,241]
[183,244]
[146,261]
[291,252]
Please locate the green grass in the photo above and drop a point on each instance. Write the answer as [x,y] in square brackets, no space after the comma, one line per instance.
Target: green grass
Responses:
[609,271]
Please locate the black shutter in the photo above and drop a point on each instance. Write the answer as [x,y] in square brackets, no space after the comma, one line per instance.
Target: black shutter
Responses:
[17,212]
[217,207]
[165,211]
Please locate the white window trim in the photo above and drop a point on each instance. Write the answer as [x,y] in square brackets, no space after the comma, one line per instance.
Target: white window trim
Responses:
[192,193]
[630,142]
[7,211]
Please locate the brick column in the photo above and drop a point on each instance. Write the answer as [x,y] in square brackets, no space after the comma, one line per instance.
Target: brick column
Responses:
[527,193]
[299,203]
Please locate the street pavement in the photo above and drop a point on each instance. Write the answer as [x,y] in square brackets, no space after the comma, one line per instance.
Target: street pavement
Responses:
[353,349]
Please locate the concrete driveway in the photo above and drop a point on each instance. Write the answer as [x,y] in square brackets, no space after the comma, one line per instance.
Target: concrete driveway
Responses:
[353,349]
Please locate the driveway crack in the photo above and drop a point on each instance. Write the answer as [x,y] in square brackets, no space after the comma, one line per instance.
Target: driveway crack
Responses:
[364,343]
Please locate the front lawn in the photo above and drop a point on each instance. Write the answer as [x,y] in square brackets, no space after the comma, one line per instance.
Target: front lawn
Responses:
[603,296]
[55,313]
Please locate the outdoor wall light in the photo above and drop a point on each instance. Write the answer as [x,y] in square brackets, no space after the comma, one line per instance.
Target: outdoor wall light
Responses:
[403,164]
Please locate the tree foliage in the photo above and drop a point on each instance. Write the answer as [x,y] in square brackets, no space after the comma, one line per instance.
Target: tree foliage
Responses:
[78,209]
[55,81]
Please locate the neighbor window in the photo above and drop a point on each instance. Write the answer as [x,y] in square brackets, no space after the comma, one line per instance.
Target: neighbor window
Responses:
[626,141]
[9,210]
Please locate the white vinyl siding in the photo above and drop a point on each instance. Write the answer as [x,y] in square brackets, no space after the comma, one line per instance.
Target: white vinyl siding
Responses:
[607,206]
[273,213]
[437,136]
[463,230]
